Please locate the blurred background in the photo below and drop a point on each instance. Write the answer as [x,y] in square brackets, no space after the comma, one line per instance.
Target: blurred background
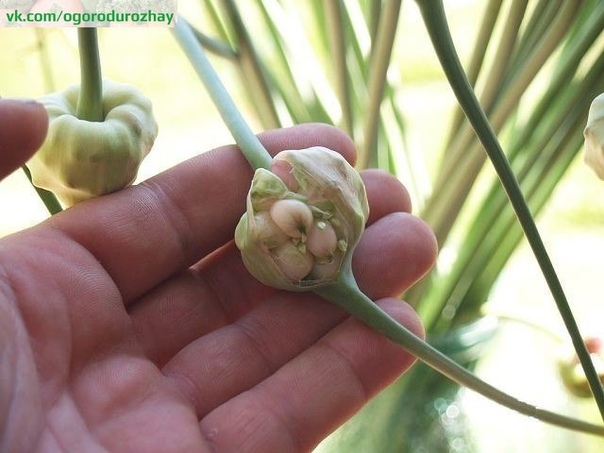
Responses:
[519,357]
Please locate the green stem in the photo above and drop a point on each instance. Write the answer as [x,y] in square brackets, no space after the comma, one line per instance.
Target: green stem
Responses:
[292,84]
[558,139]
[346,294]
[379,63]
[538,173]
[45,65]
[215,19]
[337,41]
[215,46]
[90,102]
[253,71]
[255,153]
[464,135]
[533,325]
[48,198]
[436,23]
[533,135]
[481,43]
[507,46]
[543,18]
[465,157]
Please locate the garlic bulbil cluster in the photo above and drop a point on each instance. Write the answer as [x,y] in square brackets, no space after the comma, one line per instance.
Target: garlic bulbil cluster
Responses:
[82,159]
[303,219]
[594,136]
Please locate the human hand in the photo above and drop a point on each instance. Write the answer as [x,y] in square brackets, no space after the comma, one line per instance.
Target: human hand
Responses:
[128,322]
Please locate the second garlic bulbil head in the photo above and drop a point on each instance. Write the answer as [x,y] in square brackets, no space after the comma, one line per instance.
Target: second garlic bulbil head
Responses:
[82,159]
[594,136]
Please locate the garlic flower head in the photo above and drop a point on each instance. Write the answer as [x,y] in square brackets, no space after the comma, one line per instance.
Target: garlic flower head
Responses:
[302,220]
[594,136]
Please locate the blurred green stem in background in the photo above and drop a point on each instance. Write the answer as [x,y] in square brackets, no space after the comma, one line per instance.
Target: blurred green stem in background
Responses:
[49,199]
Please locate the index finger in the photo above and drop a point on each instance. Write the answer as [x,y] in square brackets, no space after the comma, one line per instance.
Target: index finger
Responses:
[146,233]
[23,127]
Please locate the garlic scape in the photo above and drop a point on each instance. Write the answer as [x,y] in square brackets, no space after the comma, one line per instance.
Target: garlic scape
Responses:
[302,220]
[81,159]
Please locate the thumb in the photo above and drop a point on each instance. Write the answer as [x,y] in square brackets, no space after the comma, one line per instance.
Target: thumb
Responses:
[23,126]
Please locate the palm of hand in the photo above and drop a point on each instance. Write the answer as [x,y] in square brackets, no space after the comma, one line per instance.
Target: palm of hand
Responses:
[115,336]
[85,379]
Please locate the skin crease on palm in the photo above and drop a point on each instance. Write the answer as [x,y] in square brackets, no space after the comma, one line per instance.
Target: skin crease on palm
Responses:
[128,322]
